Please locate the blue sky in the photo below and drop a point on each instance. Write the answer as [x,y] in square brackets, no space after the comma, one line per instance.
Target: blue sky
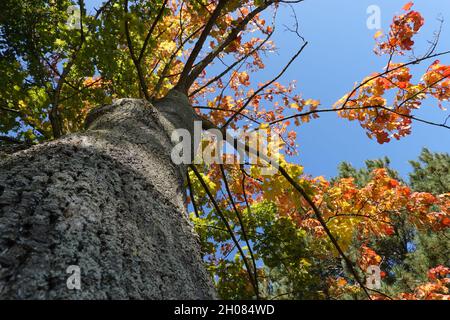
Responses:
[340,52]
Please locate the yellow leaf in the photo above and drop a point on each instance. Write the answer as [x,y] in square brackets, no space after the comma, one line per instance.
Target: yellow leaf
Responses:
[378,34]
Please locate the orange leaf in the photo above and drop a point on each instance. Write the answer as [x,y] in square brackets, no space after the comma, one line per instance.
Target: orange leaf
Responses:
[341,282]
[446,72]
[244,78]
[408,6]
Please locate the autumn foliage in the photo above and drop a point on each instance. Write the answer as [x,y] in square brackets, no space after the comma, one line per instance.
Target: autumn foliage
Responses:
[260,234]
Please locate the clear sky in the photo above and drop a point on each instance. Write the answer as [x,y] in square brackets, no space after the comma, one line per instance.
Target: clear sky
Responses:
[340,52]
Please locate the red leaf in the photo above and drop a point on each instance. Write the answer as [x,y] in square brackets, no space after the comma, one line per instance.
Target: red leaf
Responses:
[446,222]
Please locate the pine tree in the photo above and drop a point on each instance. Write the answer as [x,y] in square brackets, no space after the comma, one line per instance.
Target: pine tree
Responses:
[410,252]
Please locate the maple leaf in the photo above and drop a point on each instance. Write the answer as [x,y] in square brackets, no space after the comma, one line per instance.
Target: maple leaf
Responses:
[408,6]
[244,78]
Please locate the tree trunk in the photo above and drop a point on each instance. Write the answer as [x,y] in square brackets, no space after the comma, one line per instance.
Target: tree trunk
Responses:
[108,200]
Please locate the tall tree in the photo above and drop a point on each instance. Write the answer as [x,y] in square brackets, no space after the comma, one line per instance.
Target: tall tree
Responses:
[431,172]
[110,199]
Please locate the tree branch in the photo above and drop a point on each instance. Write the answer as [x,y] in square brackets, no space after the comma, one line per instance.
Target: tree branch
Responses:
[142,83]
[168,64]
[225,222]
[230,38]
[229,68]
[443,125]
[248,149]
[322,222]
[183,83]
[191,192]
[244,233]
[54,116]
[227,110]
[389,71]
[265,85]
[11,140]
[150,31]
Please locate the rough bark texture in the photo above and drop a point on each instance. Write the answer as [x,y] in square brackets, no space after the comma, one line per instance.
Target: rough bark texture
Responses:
[109,200]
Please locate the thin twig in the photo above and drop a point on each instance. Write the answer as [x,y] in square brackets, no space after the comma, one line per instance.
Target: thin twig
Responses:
[266,85]
[225,222]
[244,233]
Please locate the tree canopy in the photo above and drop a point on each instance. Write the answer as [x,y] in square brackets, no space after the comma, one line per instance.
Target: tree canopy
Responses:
[286,235]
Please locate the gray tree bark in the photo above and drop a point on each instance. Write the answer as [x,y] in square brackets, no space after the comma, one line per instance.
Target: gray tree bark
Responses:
[108,200]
